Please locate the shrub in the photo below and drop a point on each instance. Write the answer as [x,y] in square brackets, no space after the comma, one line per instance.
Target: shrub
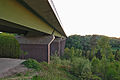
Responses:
[113,70]
[55,59]
[95,65]
[72,52]
[65,65]
[67,54]
[31,63]
[94,77]
[81,68]
[37,78]
[9,46]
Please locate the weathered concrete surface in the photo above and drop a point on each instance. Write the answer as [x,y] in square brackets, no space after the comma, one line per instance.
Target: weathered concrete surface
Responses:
[58,46]
[37,48]
[6,64]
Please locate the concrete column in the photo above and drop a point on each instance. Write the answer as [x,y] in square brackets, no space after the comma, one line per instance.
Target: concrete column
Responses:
[62,46]
[36,47]
[57,46]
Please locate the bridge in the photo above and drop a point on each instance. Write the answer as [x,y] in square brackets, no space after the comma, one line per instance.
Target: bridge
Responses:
[38,25]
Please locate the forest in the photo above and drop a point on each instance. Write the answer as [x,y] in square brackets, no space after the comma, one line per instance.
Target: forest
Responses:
[95,55]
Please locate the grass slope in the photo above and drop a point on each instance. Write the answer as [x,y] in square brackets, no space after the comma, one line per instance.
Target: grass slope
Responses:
[41,71]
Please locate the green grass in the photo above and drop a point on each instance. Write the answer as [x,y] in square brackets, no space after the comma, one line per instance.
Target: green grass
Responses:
[31,63]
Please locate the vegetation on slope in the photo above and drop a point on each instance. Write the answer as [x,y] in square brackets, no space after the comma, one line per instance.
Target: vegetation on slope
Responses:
[85,42]
[87,59]
[91,45]
[105,62]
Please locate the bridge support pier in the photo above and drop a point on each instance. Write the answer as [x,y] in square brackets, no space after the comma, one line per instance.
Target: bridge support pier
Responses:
[57,46]
[36,47]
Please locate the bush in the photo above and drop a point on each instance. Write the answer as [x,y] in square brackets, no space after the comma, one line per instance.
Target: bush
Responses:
[9,46]
[81,68]
[96,66]
[94,77]
[31,63]
[55,59]
[67,54]
[113,70]
[70,53]
[37,78]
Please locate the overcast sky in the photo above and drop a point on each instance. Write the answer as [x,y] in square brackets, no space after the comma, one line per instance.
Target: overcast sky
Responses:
[84,17]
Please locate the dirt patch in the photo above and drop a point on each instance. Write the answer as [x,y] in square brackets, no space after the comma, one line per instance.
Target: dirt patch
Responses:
[13,71]
[10,67]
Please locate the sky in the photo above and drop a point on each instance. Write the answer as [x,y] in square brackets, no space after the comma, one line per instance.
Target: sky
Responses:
[87,17]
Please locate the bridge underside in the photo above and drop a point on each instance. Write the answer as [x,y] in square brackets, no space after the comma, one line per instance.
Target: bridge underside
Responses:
[42,34]
[6,26]
[36,44]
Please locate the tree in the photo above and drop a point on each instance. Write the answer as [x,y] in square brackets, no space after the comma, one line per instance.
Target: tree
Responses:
[117,55]
[93,43]
[104,46]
